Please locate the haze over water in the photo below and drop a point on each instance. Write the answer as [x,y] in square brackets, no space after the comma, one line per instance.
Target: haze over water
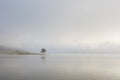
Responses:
[66,26]
[60,67]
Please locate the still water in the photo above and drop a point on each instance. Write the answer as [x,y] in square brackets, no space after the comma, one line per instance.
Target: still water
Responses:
[60,67]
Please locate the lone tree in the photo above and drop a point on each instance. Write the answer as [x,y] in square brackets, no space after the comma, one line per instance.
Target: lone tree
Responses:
[43,50]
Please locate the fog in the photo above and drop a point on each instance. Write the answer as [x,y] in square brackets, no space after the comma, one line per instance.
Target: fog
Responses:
[68,25]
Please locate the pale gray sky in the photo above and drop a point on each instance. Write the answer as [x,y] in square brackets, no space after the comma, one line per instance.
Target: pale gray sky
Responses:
[60,24]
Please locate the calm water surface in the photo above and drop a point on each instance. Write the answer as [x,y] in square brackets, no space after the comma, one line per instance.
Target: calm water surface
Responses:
[60,67]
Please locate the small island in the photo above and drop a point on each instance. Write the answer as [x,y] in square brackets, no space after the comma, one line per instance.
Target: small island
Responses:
[16,51]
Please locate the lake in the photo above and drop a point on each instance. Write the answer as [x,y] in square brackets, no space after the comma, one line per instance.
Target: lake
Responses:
[60,67]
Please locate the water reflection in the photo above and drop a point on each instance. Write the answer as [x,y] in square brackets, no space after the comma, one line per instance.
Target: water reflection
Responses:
[60,67]
[43,58]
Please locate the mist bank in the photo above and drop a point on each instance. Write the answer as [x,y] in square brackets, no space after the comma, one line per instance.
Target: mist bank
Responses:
[103,48]
[9,50]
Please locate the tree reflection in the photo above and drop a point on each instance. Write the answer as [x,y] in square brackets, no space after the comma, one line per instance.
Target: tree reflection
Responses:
[43,58]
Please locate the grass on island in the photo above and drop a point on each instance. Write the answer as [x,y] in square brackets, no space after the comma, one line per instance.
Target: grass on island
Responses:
[26,53]
[23,53]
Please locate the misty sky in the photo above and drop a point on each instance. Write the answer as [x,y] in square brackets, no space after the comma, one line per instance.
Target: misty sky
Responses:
[60,24]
